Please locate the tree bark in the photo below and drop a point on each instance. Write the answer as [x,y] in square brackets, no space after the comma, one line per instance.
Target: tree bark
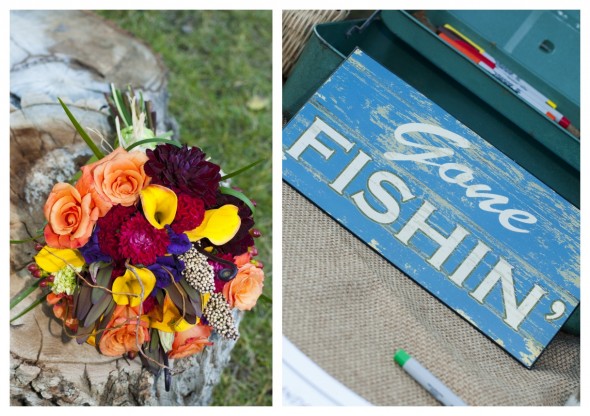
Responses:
[75,56]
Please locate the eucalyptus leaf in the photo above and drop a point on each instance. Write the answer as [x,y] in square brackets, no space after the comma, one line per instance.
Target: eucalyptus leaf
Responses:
[83,333]
[194,296]
[106,318]
[103,278]
[95,267]
[98,309]
[83,302]
[186,307]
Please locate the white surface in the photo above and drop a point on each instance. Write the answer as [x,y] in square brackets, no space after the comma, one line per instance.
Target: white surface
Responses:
[306,384]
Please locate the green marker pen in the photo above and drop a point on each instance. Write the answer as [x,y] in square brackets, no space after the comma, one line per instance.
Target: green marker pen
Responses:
[425,378]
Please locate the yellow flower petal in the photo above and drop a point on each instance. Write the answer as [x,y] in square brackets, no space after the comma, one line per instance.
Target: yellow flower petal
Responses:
[219,225]
[159,205]
[53,260]
[126,286]
[172,321]
[205,299]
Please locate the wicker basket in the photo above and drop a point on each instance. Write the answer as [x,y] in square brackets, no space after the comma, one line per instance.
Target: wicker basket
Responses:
[297,26]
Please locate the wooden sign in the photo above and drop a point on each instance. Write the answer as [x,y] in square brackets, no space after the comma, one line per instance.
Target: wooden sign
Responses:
[460,218]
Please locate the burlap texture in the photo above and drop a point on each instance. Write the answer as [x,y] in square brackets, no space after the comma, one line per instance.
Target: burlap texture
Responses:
[348,309]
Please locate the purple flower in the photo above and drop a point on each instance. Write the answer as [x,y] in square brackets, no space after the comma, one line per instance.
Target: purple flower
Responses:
[184,170]
[166,267]
[179,243]
[91,250]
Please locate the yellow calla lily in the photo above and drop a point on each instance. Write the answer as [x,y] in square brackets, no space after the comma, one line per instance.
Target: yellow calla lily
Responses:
[124,287]
[171,321]
[219,225]
[53,260]
[159,205]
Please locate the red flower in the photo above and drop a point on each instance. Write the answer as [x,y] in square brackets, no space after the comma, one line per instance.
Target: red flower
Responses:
[141,242]
[63,308]
[109,228]
[189,214]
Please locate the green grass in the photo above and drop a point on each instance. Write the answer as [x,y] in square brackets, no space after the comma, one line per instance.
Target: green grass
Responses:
[220,85]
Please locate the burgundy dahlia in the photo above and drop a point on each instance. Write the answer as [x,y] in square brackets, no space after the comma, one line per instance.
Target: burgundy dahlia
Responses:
[242,240]
[184,170]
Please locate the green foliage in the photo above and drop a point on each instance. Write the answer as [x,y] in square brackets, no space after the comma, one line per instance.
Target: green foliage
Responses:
[220,85]
[99,155]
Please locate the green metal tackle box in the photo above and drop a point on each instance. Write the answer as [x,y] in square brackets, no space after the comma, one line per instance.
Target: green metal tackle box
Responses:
[535,48]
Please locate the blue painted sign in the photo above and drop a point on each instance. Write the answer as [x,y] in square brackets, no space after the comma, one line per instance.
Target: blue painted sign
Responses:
[460,218]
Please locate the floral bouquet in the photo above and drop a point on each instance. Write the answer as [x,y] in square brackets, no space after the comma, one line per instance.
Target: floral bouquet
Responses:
[146,251]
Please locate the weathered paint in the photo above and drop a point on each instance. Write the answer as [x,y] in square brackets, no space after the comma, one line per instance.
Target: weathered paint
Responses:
[510,267]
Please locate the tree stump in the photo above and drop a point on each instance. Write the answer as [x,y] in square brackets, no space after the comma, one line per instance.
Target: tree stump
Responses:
[76,55]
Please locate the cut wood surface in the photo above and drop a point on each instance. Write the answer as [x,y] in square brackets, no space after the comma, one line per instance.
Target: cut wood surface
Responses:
[75,56]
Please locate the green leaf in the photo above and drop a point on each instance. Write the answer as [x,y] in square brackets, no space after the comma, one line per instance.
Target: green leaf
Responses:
[21,296]
[31,307]
[95,267]
[186,308]
[106,318]
[83,303]
[154,140]
[237,172]
[193,296]
[28,240]
[98,309]
[82,132]
[118,99]
[141,103]
[103,277]
[166,340]
[153,351]
[239,195]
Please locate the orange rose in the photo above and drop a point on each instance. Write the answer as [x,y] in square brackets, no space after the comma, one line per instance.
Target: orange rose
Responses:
[243,291]
[118,177]
[70,216]
[242,259]
[124,333]
[85,185]
[190,342]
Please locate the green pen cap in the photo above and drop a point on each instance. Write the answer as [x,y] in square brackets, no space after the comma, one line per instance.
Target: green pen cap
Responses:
[401,357]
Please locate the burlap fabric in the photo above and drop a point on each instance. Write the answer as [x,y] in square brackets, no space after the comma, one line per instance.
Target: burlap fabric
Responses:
[348,309]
